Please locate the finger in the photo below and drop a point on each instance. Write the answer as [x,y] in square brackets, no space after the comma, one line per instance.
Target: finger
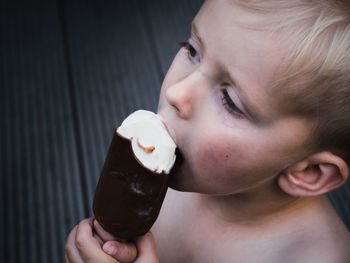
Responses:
[103,234]
[71,252]
[147,250]
[98,238]
[88,247]
[100,241]
[123,252]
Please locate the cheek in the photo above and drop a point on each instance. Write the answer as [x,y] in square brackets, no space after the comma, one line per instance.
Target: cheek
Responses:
[215,159]
[226,166]
[211,155]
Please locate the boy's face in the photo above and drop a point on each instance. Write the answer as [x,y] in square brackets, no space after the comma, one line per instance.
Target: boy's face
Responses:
[217,101]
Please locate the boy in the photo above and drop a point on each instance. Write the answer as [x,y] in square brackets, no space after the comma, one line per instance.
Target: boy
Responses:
[258,103]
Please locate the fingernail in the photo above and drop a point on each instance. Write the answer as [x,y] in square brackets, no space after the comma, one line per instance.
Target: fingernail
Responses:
[110,249]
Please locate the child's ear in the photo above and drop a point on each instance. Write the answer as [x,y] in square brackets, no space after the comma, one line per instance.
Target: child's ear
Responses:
[317,174]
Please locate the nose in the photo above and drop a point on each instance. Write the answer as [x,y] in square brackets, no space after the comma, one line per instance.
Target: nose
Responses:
[184,94]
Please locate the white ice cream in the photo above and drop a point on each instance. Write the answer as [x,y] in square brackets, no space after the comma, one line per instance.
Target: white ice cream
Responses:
[150,140]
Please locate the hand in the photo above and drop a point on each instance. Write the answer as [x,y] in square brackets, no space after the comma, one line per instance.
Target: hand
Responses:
[83,245]
[146,247]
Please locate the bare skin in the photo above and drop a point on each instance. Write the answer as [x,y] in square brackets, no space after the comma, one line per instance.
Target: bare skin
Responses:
[248,189]
[190,229]
[251,205]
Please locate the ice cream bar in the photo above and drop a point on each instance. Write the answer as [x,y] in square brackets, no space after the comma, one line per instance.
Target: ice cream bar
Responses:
[133,182]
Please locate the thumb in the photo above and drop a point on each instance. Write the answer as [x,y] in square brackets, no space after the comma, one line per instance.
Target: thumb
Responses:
[123,252]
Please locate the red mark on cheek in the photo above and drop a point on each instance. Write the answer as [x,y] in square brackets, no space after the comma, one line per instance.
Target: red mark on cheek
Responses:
[214,154]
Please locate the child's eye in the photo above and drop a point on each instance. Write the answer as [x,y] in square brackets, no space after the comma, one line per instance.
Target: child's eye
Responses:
[230,105]
[191,51]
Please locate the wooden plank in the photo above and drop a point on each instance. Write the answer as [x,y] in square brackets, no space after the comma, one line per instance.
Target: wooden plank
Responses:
[39,176]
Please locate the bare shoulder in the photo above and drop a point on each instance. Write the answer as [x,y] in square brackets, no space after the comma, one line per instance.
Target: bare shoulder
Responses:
[323,237]
[184,233]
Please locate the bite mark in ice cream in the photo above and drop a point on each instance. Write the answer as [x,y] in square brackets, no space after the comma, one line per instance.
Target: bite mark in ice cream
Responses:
[151,143]
[134,179]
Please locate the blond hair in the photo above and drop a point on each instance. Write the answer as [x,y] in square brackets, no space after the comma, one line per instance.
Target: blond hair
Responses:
[316,83]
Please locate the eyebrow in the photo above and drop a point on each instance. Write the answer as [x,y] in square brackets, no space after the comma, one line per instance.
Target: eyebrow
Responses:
[248,107]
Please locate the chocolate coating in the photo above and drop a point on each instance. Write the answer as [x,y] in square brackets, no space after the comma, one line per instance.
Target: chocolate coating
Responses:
[128,196]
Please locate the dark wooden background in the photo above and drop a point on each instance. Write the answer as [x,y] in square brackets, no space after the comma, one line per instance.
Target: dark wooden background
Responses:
[70,71]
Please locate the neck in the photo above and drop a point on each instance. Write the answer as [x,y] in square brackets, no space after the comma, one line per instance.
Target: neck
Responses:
[263,204]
